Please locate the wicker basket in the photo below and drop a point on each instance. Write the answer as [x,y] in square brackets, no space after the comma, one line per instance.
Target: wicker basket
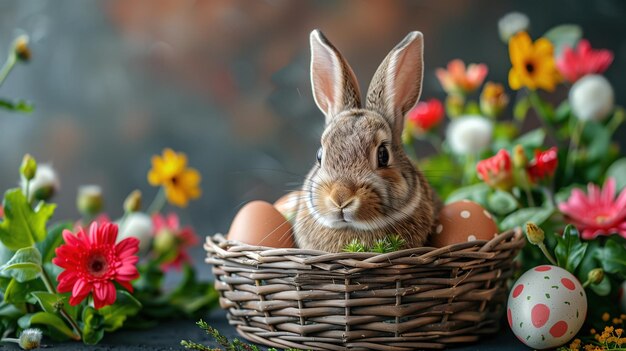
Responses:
[405,300]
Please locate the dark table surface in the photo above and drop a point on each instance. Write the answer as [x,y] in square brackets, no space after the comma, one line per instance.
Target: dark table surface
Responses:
[167,336]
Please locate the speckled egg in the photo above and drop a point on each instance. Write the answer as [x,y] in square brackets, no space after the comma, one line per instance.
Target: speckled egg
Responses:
[547,306]
[463,221]
[259,223]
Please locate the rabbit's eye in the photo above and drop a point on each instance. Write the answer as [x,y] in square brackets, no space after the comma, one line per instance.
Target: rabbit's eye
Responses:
[383,156]
[319,155]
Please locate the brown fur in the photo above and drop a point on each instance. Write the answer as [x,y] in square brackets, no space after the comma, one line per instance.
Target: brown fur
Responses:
[348,196]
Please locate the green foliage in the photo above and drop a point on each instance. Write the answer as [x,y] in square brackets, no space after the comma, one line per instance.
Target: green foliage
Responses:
[93,326]
[17,106]
[613,257]
[501,202]
[617,170]
[477,193]
[49,320]
[537,215]
[25,265]
[23,226]
[115,315]
[569,249]
[222,341]
[355,246]
[390,243]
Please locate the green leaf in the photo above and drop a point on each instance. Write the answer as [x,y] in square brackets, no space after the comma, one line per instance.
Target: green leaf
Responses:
[50,320]
[613,257]
[48,301]
[192,297]
[564,35]
[537,215]
[617,170]
[17,292]
[23,226]
[53,240]
[569,250]
[531,140]
[602,289]
[501,202]
[25,264]
[520,110]
[18,106]
[9,311]
[93,326]
[477,192]
[115,315]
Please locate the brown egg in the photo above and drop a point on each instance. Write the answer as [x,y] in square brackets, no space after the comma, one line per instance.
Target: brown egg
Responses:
[463,221]
[259,223]
[288,205]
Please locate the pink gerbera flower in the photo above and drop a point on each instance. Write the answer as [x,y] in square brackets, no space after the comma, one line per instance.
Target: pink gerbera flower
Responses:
[583,60]
[598,212]
[93,261]
[171,242]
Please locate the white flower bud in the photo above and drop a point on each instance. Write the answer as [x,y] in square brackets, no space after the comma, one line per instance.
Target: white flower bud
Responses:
[512,23]
[44,185]
[30,339]
[138,225]
[469,134]
[592,98]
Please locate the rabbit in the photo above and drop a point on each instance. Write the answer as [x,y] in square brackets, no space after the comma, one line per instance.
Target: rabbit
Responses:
[363,185]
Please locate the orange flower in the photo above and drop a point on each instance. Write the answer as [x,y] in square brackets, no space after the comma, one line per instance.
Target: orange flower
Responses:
[533,63]
[456,79]
[180,182]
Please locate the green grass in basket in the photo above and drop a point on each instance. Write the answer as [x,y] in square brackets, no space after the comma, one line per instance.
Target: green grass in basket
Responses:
[387,244]
[235,345]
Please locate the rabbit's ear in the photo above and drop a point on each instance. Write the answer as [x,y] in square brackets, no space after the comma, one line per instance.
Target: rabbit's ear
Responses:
[335,88]
[397,84]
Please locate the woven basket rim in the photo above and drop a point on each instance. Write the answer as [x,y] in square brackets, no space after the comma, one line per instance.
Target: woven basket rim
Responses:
[217,244]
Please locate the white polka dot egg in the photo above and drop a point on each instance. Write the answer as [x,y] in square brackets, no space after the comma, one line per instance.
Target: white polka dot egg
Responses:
[547,306]
[463,221]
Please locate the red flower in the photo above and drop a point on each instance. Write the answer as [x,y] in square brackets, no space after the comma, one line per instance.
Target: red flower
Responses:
[93,262]
[426,114]
[543,165]
[496,170]
[599,212]
[171,242]
[576,63]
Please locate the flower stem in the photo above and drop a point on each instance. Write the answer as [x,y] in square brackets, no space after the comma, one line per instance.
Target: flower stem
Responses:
[48,283]
[8,66]
[27,190]
[537,104]
[546,253]
[573,149]
[159,201]
[468,172]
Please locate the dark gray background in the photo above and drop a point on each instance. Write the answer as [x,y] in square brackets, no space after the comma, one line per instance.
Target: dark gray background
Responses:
[227,82]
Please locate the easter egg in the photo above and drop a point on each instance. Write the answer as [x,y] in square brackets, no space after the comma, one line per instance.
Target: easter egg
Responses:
[547,306]
[622,297]
[259,223]
[463,221]
[288,205]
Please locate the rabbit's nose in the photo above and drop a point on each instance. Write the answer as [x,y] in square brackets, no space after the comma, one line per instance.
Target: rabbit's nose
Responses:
[341,196]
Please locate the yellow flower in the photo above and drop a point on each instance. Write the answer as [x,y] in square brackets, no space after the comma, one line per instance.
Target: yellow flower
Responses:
[180,182]
[533,63]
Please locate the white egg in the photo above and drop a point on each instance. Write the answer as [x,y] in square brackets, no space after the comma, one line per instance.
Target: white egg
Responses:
[622,296]
[547,306]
